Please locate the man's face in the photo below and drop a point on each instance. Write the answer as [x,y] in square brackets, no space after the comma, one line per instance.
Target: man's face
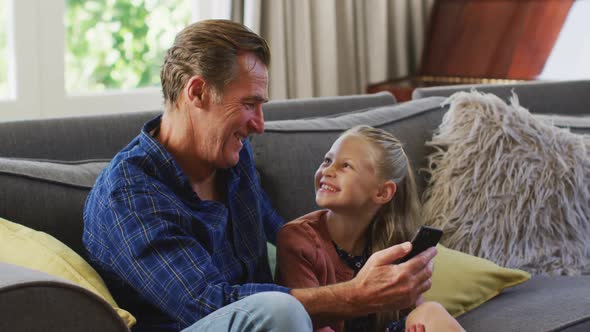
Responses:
[238,114]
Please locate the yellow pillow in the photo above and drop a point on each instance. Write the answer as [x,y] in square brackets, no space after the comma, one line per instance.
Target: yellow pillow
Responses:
[20,245]
[462,282]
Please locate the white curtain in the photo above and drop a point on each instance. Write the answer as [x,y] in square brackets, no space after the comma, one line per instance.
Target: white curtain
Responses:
[336,47]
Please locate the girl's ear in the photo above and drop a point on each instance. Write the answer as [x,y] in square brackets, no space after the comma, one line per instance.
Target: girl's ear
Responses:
[386,192]
[196,91]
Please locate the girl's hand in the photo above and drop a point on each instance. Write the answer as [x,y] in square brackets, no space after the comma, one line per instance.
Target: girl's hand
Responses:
[416,328]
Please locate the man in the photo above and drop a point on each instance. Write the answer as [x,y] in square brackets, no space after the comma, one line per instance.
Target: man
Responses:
[177,223]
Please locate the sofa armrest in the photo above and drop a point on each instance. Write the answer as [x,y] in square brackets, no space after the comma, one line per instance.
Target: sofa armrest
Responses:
[35,301]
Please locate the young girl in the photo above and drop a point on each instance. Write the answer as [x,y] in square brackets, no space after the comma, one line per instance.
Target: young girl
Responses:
[367,190]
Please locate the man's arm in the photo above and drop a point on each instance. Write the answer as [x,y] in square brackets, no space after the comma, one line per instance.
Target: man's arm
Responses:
[379,286]
[153,250]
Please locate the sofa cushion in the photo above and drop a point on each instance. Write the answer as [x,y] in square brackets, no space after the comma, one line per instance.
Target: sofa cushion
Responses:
[546,97]
[510,188]
[71,138]
[462,282]
[289,152]
[48,195]
[323,106]
[540,304]
[23,246]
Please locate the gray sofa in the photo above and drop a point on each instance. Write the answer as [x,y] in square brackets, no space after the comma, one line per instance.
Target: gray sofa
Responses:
[548,97]
[46,191]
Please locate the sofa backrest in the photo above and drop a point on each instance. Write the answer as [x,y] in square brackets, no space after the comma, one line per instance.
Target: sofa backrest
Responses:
[71,138]
[102,136]
[47,190]
[323,106]
[290,151]
[541,97]
[49,195]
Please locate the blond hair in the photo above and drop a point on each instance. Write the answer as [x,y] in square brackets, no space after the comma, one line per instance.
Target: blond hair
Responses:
[209,49]
[396,220]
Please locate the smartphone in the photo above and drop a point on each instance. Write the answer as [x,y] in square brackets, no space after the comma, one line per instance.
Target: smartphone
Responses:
[425,238]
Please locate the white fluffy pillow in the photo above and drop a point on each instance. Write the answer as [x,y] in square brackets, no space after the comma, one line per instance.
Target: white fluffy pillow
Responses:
[510,188]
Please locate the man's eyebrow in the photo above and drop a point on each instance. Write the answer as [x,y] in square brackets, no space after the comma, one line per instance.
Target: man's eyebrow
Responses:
[258,99]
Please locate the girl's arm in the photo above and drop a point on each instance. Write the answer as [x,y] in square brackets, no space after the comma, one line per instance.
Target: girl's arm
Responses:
[296,257]
[379,286]
[297,264]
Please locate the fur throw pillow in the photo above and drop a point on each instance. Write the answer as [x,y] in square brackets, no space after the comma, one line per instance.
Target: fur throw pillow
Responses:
[508,187]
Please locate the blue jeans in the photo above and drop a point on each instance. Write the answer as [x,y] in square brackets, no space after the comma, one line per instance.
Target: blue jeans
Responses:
[267,311]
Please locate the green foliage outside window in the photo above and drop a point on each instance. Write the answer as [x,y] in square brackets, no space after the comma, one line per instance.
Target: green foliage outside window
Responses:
[119,44]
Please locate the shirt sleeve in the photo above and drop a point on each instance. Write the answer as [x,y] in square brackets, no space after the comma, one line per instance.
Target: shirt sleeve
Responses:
[298,265]
[296,258]
[153,252]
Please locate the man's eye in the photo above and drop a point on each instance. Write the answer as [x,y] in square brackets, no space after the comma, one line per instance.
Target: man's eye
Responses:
[347,165]
[327,161]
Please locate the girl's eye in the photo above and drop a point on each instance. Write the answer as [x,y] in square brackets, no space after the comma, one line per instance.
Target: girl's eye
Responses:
[327,161]
[347,165]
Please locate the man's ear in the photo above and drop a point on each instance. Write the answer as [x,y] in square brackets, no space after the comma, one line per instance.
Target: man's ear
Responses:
[386,192]
[196,91]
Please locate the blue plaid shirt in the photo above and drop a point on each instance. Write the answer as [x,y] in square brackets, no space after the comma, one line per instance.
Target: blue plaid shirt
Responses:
[168,257]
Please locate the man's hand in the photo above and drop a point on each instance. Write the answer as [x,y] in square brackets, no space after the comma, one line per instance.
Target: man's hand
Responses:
[379,286]
[382,286]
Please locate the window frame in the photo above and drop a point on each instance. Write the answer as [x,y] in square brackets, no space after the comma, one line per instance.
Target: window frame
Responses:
[37,37]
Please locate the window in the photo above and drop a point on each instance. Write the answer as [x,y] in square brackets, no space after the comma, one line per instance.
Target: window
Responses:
[113,45]
[570,57]
[75,57]
[4,50]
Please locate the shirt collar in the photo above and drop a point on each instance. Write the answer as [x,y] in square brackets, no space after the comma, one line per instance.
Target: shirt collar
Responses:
[168,168]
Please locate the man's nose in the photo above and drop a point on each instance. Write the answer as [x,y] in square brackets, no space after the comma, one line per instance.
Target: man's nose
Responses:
[256,123]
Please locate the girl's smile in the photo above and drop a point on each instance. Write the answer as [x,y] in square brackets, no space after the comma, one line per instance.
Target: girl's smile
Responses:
[346,179]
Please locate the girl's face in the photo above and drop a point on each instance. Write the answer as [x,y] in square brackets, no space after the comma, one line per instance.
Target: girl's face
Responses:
[347,179]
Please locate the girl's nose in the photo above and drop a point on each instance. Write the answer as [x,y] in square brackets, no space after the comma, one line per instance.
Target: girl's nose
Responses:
[328,171]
